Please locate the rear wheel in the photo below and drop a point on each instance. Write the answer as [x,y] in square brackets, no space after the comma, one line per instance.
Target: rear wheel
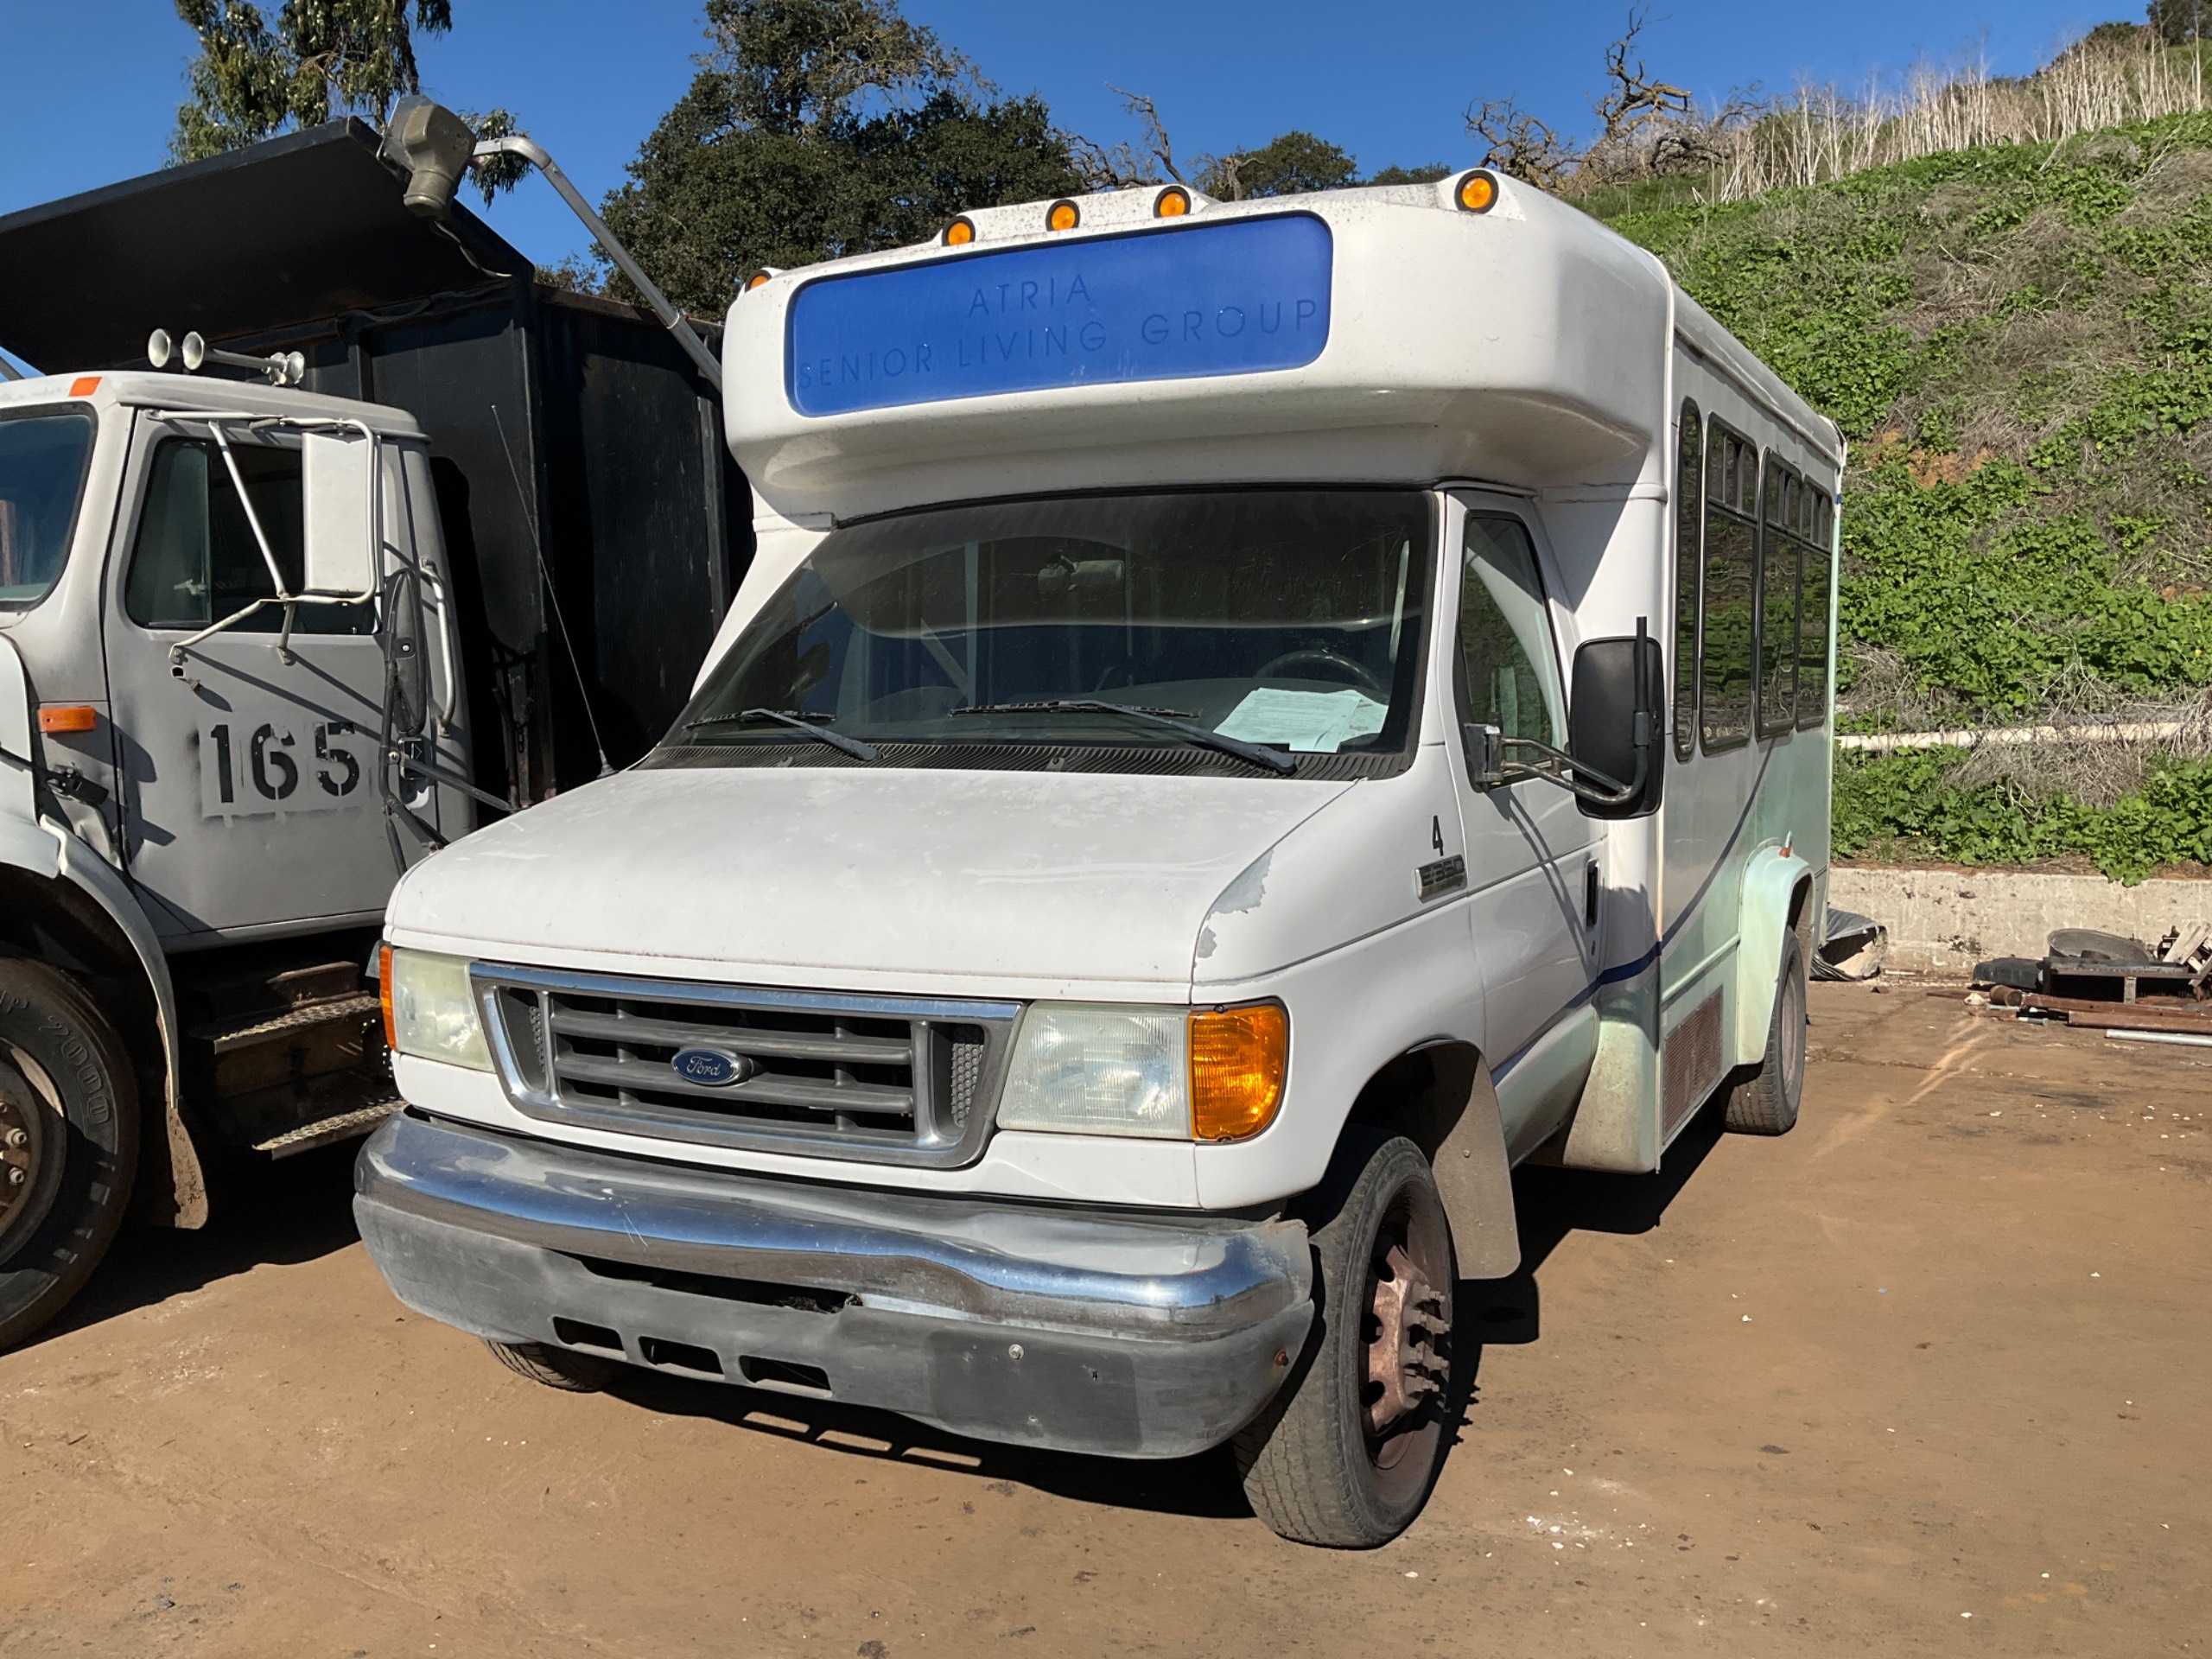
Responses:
[556,1368]
[1346,1455]
[1767,1104]
[68,1141]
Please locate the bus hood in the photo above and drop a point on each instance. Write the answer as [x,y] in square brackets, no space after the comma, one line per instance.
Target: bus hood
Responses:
[982,882]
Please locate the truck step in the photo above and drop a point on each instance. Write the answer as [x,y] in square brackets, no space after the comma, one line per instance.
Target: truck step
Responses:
[267,1049]
[361,1005]
[341,1126]
[299,1113]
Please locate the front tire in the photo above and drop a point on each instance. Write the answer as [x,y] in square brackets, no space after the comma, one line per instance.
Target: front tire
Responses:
[1346,1455]
[553,1368]
[68,1141]
[1767,1102]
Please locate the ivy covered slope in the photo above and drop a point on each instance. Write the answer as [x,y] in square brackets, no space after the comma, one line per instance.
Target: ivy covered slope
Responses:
[2017,342]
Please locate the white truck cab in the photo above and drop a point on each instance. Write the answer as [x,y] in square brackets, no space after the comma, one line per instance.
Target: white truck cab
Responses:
[1246,722]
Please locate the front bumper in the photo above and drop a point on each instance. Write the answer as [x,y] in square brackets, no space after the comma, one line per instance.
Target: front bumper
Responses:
[1080,1329]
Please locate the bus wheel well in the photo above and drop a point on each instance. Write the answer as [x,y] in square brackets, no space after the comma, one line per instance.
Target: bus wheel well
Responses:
[60,923]
[1438,1096]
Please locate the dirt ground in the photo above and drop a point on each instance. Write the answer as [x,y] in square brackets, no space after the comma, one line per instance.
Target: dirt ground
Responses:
[1928,1375]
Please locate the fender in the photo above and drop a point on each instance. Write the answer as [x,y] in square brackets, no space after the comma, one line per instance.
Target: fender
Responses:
[35,844]
[1772,877]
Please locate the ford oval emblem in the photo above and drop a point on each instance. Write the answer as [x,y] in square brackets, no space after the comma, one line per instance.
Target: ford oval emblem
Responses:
[713,1068]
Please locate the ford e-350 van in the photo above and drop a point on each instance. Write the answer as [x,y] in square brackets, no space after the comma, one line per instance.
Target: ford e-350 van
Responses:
[1247,720]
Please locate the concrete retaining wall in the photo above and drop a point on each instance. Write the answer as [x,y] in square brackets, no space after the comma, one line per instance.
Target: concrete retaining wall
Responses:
[1945,921]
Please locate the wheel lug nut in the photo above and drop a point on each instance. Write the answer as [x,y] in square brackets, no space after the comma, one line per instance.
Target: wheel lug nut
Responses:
[17,1137]
[15,1176]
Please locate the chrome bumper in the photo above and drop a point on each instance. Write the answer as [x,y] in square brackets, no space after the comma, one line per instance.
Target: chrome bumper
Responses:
[1087,1331]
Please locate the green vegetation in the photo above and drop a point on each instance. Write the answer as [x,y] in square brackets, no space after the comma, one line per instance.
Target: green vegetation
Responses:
[2017,341]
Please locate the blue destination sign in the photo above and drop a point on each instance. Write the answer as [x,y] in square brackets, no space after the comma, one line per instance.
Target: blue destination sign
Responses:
[1249,294]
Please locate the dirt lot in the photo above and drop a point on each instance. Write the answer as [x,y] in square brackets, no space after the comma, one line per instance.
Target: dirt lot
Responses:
[1929,1375]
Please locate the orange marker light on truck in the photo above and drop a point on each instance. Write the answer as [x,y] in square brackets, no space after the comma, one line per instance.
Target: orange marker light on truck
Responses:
[1173,202]
[1238,1057]
[1063,215]
[1478,191]
[960,232]
[56,718]
[384,996]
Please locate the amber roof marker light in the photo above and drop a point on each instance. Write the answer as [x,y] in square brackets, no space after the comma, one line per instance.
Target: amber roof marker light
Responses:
[1063,215]
[960,232]
[1173,202]
[758,279]
[1476,191]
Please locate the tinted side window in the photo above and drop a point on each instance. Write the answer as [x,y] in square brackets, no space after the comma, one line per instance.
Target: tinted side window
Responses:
[1507,665]
[1724,665]
[1777,603]
[195,560]
[1817,596]
[1689,520]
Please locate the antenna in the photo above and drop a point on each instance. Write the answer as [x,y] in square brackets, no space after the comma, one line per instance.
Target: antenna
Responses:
[282,368]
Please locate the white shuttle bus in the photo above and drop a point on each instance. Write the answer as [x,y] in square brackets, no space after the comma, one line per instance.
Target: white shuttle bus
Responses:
[1247,721]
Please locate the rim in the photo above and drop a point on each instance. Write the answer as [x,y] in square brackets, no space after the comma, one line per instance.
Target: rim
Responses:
[1406,1334]
[29,1166]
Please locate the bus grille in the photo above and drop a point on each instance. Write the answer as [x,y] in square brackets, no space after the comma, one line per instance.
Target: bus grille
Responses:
[881,1079]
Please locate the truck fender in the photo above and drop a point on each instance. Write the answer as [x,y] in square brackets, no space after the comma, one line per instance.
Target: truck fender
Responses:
[173,1182]
[1439,1096]
[1773,878]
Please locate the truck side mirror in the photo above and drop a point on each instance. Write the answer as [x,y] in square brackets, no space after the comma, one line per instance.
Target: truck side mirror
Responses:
[338,481]
[1485,754]
[1614,720]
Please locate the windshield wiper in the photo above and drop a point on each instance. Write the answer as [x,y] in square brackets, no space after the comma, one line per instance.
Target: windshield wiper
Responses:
[1174,719]
[798,723]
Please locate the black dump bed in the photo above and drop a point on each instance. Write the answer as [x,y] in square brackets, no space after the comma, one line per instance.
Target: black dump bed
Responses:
[544,408]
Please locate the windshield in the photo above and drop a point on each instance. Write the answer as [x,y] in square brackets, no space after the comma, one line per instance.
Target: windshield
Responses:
[43,458]
[1200,623]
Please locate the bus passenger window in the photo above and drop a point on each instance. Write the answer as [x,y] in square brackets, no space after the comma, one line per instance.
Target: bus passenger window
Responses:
[1689,477]
[1509,671]
[1816,590]
[1725,666]
[1777,604]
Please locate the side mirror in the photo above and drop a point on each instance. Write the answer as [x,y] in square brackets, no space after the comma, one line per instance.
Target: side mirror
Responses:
[1485,754]
[1619,692]
[338,481]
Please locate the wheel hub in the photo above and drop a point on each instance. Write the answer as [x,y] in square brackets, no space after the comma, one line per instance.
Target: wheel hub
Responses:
[1408,1318]
[20,1139]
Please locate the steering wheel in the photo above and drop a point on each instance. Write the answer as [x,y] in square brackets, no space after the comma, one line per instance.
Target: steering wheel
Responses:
[1321,657]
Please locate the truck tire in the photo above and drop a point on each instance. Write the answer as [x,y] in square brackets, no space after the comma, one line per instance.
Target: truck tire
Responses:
[556,1368]
[68,1141]
[1767,1102]
[1346,1455]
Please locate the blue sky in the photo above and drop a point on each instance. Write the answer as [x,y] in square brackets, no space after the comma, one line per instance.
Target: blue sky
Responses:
[92,86]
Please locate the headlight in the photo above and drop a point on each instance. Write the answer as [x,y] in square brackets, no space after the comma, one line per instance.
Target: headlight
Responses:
[429,1010]
[1168,1074]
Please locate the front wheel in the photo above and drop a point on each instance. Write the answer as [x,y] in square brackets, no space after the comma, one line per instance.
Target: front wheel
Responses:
[1345,1456]
[68,1141]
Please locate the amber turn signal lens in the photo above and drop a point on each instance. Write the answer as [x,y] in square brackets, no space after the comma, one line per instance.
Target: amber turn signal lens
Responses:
[1478,191]
[1173,202]
[758,279]
[1238,1057]
[384,996]
[58,717]
[1063,215]
[84,385]
[960,232]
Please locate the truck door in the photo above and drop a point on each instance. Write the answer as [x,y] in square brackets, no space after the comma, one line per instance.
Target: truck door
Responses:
[1531,852]
[249,770]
